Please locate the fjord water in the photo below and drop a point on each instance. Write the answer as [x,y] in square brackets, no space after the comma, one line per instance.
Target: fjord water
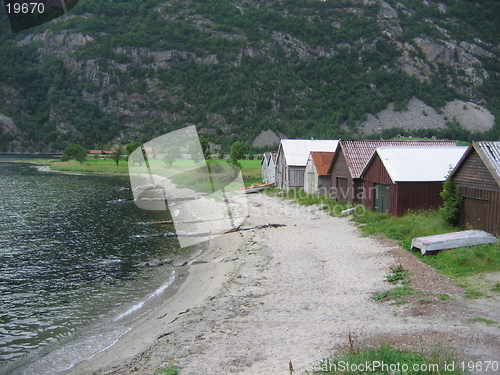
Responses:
[69,258]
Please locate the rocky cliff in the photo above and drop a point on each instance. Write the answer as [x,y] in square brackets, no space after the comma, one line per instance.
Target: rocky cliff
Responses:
[119,71]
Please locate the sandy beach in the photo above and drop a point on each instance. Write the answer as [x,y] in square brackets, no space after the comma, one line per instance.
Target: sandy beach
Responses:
[266,297]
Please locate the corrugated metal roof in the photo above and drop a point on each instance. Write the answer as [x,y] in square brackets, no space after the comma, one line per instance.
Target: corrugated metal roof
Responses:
[490,153]
[358,152]
[297,150]
[422,164]
[322,161]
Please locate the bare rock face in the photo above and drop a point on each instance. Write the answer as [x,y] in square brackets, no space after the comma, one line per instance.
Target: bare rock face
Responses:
[419,115]
[7,125]
[461,56]
[386,11]
[266,138]
[388,19]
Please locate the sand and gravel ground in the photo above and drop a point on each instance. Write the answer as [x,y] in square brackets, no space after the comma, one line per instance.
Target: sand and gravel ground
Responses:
[294,293]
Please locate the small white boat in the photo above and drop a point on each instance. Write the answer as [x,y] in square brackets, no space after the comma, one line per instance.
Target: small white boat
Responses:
[257,188]
[431,244]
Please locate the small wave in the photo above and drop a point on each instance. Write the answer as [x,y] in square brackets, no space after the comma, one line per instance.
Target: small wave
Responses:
[81,349]
[140,304]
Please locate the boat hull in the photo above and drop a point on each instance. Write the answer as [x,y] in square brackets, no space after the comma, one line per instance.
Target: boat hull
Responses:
[431,244]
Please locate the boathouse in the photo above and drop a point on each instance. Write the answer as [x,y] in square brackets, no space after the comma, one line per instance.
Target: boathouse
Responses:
[478,175]
[401,179]
[292,159]
[316,177]
[268,166]
[351,158]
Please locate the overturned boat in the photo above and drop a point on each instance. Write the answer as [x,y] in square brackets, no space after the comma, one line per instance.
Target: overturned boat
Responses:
[431,244]
[257,188]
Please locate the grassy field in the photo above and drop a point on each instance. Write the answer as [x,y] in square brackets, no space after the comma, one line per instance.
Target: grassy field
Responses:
[250,169]
[88,166]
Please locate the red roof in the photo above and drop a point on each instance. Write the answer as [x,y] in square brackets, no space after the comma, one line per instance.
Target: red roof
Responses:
[358,152]
[322,161]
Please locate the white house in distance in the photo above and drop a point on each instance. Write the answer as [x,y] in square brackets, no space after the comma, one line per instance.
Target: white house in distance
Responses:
[292,159]
[268,165]
[316,177]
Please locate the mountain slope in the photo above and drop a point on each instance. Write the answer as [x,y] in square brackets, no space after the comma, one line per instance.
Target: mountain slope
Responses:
[131,70]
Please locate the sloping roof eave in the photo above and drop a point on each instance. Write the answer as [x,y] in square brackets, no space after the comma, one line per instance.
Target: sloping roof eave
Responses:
[487,162]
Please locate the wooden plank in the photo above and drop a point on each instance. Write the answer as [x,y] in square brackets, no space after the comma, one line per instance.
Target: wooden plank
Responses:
[340,170]
[473,173]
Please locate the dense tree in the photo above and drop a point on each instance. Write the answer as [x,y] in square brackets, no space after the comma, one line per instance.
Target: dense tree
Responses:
[171,155]
[136,158]
[129,148]
[76,152]
[238,150]
[452,202]
[117,154]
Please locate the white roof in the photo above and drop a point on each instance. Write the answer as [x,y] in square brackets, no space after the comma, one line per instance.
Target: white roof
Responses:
[297,150]
[423,164]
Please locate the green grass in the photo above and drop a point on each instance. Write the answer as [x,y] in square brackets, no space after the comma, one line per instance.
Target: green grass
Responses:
[250,164]
[385,359]
[466,261]
[483,320]
[402,291]
[90,166]
[397,274]
[167,371]
[250,170]
[404,228]
[299,196]
[399,295]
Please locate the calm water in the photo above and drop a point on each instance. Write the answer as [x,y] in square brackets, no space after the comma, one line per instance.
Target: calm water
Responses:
[69,264]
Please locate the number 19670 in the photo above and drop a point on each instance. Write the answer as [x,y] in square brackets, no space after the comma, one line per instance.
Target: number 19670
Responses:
[25,8]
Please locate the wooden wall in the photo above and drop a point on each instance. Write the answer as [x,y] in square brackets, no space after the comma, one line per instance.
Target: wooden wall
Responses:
[376,172]
[480,210]
[415,196]
[295,177]
[341,184]
[473,173]
[403,196]
[280,169]
[481,194]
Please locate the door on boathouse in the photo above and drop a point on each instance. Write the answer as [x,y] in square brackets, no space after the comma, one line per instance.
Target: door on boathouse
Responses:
[381,198]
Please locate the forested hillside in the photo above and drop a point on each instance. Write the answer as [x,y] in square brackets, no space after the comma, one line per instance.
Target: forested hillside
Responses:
[119,71]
